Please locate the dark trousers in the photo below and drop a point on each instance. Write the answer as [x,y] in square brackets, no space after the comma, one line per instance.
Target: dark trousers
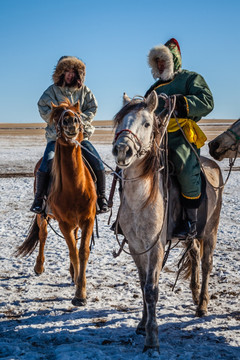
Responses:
[94,161]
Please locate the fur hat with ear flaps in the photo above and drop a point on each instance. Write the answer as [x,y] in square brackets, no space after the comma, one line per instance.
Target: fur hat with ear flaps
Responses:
[171,54]
[66,63]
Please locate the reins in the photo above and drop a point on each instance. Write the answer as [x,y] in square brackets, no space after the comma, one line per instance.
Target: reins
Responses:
[92,243]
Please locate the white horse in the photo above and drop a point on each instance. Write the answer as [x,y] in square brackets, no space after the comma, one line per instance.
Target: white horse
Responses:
[227,144]
[138,151]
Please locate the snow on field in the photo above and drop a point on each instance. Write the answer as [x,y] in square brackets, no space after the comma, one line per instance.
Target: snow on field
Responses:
[37,319]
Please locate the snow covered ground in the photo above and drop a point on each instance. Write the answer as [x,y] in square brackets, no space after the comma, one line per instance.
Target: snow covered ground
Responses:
[37,319]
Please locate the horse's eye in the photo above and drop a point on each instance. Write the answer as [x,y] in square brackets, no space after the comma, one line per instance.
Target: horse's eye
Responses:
[147,124]
[75,120]
[65,122]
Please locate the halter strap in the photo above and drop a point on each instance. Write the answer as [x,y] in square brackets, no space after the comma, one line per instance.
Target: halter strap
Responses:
[235,134]
[61,118]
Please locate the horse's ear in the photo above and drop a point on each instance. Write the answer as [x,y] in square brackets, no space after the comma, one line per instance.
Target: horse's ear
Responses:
[77,106]
[126,99]
[152,101]
[52,105]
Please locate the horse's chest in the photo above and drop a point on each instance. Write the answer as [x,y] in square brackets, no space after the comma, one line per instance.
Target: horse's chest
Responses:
[141,224]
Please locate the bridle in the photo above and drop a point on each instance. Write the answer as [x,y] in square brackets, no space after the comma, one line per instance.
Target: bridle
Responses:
[61,119]
[137,143]
[233,135]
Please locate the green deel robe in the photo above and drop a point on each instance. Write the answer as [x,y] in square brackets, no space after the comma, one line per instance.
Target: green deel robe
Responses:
[194,100]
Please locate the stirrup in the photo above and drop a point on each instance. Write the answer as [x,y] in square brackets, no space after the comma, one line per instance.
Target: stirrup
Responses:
[113,227]
[186,231]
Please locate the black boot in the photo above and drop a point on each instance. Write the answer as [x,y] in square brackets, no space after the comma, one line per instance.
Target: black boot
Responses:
[41,188]
[188,226]
[113,227]
[101,185]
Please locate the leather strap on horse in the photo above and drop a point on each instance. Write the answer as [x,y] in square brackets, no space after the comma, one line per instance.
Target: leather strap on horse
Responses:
[112,191]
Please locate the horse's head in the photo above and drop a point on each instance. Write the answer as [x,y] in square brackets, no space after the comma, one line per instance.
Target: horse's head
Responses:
[226,144]
[67,121]
[134,129]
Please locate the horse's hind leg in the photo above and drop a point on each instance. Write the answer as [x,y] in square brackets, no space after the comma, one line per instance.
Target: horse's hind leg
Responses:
[42,224]
[84,251]
[207,263]
[194,255]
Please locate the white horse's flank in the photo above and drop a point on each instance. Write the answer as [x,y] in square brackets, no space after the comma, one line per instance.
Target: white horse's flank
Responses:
[227,144]
[143,209]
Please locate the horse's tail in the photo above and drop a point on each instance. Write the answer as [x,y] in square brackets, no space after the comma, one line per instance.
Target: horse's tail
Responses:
[29,245]
[187,264]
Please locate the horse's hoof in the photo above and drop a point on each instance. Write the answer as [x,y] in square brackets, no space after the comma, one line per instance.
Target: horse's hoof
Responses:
[141,331]
[38,272]
[79,302]
[151,349]
[201,313]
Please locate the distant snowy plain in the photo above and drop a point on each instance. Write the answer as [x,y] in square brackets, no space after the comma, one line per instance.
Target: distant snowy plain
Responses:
[37,319]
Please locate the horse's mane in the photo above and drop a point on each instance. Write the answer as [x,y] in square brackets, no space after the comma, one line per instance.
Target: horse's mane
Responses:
[235,122]
[56,172]
[134,105]
[151,162]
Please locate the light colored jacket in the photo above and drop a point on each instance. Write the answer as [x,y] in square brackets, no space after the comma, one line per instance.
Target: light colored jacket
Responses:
[57,94]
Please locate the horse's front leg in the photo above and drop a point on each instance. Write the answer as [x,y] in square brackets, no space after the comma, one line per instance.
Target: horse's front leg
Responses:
[151,297]
[42,224]
[71,269]
[69,236]
[80,298]
[142,277]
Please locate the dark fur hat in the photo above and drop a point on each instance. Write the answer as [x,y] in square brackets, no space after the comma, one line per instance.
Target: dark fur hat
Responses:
[69,62]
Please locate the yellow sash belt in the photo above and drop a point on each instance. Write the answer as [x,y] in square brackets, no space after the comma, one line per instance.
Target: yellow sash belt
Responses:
[192,131]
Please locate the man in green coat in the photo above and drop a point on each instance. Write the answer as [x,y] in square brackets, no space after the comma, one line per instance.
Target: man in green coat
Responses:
[193,100]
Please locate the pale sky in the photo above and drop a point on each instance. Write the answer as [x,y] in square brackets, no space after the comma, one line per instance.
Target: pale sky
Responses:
[113,39]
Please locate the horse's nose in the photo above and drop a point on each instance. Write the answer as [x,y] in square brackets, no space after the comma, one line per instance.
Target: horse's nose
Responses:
[213,147]
[72,129]
[122,151]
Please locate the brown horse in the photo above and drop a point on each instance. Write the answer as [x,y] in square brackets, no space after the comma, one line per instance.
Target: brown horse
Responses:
[227,144]
[71,201]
